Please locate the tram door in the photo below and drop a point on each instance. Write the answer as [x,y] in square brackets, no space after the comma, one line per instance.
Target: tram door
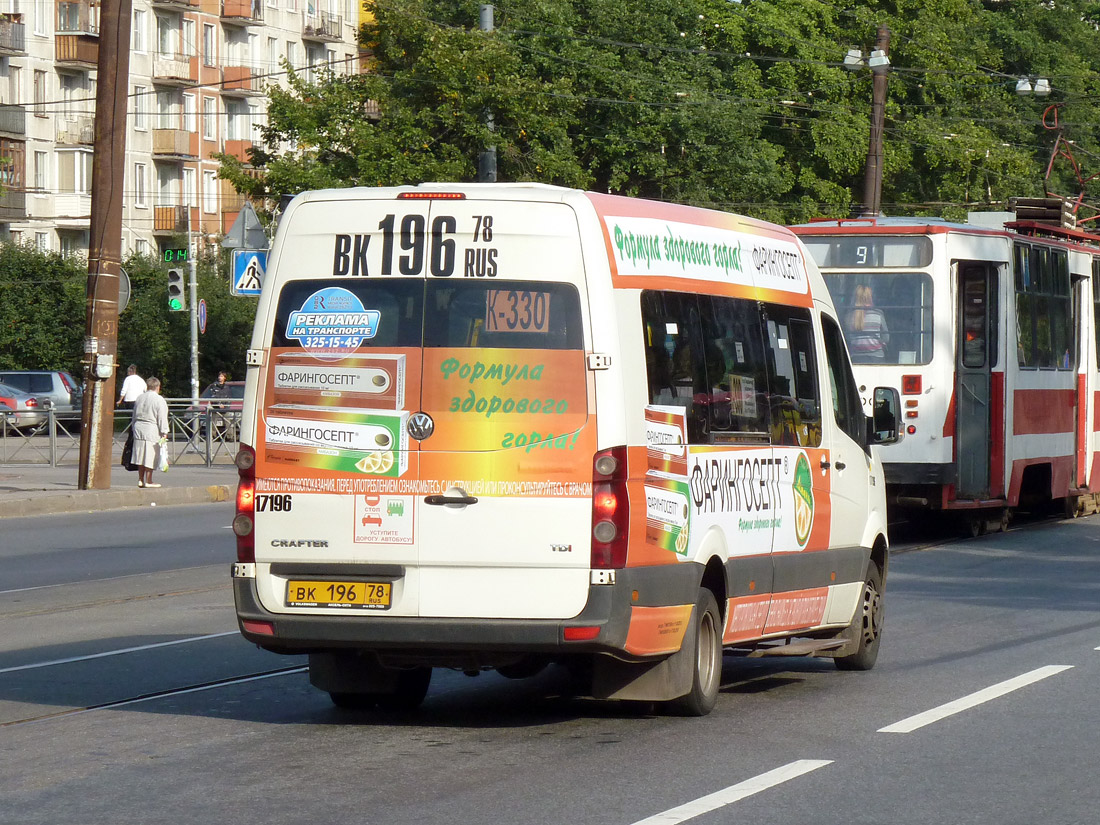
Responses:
[976,354]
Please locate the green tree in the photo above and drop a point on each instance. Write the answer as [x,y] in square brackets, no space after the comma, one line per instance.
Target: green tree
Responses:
[158,340]
[740,105]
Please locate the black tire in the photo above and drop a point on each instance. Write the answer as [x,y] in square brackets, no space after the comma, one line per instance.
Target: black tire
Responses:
[707,668]
[412,687]
[866,624]
[353,701]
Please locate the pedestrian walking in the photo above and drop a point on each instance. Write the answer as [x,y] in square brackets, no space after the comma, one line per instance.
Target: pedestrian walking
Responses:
[132,387]
[150,431]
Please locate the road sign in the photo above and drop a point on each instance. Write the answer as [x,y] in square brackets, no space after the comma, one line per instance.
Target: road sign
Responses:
[249,266]
[202,316]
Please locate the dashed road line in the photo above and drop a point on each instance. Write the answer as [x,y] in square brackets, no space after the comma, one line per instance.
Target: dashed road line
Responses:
[734,793]
[973,700]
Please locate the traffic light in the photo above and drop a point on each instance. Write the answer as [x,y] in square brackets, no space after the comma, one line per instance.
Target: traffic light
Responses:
[175,290]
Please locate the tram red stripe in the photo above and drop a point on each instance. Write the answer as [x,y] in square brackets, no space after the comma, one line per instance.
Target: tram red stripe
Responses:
[1043,411]
[996,434]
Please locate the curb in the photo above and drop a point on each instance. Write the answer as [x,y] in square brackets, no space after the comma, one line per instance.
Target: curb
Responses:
[45,504]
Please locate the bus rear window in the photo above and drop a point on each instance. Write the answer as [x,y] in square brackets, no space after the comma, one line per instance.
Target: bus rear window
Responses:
[504,314]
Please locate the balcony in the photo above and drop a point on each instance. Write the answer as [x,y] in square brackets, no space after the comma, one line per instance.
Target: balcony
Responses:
[230,199]
[172,144]
[239,149]
[175,70]
[13,36]
[13,205]
[76,130]
[169,220]
[76,52]
[73,210]
[13,120]
[322,26]
[242,12]
[239,81]
[175,5]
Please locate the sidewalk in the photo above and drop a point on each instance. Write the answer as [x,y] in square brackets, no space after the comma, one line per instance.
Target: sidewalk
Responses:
[38,489]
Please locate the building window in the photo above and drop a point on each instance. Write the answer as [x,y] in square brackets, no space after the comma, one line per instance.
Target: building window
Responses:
[139,185]
[141,246]
[42,17]
[41,171]
[209,45]
[209,191]
[15,82]
[74,172]
[209,118]
[141,108]
[272,54]
[139,31]
[40,93]
[167,113]
[189,38]
[190,196]
[236,120]
[189,119]
[291,56]
[42,241]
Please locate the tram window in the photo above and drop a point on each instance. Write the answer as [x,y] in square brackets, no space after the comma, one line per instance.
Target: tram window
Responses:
[1044,308]
[905,301]
[792,377]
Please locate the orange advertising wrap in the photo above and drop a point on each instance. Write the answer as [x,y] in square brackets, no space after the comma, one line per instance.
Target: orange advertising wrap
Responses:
[507,422]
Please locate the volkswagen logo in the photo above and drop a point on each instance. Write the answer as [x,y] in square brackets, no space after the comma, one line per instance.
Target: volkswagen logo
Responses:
[420,426]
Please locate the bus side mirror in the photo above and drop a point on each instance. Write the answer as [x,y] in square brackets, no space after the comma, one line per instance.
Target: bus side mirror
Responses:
[882,425]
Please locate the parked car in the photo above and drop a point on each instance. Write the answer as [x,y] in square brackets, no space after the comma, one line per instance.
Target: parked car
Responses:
[225,405]
[20,410]
[64,392]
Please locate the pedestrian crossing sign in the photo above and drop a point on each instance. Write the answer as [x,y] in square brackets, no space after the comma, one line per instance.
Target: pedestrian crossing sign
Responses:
[249,266]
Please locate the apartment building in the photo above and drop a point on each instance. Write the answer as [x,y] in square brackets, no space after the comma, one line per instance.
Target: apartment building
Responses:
[198,69]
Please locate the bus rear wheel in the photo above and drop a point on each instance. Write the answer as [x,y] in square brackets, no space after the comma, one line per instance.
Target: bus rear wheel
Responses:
[707,666]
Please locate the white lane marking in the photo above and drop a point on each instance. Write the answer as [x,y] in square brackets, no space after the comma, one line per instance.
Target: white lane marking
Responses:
[734,793]
[972,700]
[116,652]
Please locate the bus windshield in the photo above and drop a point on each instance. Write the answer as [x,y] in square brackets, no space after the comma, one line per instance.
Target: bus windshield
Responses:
[886,316]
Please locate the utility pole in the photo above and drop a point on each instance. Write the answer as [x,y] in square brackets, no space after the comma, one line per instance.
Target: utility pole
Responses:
[192,279]
[487,160]
[872,178]
[105,247]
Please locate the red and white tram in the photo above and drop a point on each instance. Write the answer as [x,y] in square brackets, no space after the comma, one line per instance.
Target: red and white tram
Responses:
[989,332]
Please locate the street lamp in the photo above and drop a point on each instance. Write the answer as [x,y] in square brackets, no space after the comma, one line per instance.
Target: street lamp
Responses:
[1041,88]
[879,64]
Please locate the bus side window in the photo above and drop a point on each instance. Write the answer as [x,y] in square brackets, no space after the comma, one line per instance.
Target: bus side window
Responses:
[674,357]
[792,377]
[847,407]
[736,369]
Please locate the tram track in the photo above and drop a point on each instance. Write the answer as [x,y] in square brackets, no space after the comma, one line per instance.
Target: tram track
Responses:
[150,696]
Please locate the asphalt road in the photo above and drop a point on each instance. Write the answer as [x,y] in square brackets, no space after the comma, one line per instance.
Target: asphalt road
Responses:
[127,697]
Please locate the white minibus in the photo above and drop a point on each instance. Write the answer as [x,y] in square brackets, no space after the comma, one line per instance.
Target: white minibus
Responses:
[503,426]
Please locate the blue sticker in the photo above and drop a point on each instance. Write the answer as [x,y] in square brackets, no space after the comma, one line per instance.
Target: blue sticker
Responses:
[332,318]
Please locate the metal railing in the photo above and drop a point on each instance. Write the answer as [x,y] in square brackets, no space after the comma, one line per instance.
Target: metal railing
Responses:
[196,436]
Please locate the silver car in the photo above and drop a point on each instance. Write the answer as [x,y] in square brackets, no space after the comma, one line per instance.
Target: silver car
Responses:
[56,386]
[20,410]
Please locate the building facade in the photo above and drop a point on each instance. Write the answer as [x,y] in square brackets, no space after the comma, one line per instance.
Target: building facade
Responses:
[198,70]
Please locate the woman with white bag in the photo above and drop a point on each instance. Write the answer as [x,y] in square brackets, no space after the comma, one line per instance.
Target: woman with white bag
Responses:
[150,432]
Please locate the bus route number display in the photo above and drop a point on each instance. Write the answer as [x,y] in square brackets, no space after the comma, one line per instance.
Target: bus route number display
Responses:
[513,310]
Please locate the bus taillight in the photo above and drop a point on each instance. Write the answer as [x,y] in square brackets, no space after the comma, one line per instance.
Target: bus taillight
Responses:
[610,509]
[243,523]
[910,385]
